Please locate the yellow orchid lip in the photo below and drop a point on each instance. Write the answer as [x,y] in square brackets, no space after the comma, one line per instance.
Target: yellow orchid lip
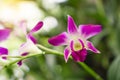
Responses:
[77,46]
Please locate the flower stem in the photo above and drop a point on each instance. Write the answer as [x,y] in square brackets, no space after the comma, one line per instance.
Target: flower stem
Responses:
[90,71]
[19,58]
[83,65]
[14,56]
[50,51]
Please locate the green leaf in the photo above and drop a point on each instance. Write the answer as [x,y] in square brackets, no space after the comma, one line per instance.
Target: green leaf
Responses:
[114,70]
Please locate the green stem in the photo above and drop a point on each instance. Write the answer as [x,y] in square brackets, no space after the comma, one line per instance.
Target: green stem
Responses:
[19,58]
[90,71]
[83,65]
[14,56]
[50,51]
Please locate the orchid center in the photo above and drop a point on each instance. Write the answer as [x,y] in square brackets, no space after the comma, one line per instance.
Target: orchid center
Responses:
[77,46]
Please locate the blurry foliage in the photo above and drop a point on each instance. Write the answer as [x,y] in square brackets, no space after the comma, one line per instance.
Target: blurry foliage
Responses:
[114,70]
[103,12]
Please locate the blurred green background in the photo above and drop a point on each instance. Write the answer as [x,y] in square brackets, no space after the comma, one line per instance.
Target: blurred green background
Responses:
[54,14]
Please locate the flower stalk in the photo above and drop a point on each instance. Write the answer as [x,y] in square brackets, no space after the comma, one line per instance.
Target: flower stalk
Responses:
[82,64]
[20,58]
[50,51]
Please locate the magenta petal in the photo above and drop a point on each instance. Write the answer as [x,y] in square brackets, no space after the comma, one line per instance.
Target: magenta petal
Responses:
[23,26]
[72,28]
[19,63]
[32,38]
[3,51]
[4,57]
[92,48]
[79,56]
[4,33]
[89,30]
[82,43]
[59,39]
[75,56]
[37,27]
[71,45]
[66,54]
[24,54]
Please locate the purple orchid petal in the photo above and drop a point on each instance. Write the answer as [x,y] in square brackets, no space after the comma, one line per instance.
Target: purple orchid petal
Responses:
[23,26]
[37,27]
[67,53]
[19,63]
[33,39]
[92,48]
[4,33]
[3,51]
[79,55]
[89,30]
[75,56]
[72,28]
[82,43]
[59,39]
[24,54]
[71,45]
[4,57]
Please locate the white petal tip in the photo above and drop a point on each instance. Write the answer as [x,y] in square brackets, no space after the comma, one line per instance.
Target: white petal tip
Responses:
[66,61]
[98,52]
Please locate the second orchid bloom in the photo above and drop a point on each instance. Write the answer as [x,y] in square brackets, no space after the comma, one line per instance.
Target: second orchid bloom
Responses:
[30,45]
[76,40]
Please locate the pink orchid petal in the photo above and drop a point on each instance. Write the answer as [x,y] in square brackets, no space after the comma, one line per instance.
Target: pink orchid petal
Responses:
[29,47]
[24,54]
[92,48]
[37,27]
[82,43]
[67,53]
[72,28]
[19,63]
[71,45]
[23,26]
[33,39]
[89,30]
[3,51]
[59,39]
[75,56]
[82,54]
[79,55]
[4,57]
[4,33]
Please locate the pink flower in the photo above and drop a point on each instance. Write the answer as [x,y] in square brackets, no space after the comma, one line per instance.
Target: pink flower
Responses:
[76,40]
[30,44]
[4,33]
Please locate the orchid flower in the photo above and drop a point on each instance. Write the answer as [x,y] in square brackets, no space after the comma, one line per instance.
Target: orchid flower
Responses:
[76,40]
[4,33]
[30,44]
